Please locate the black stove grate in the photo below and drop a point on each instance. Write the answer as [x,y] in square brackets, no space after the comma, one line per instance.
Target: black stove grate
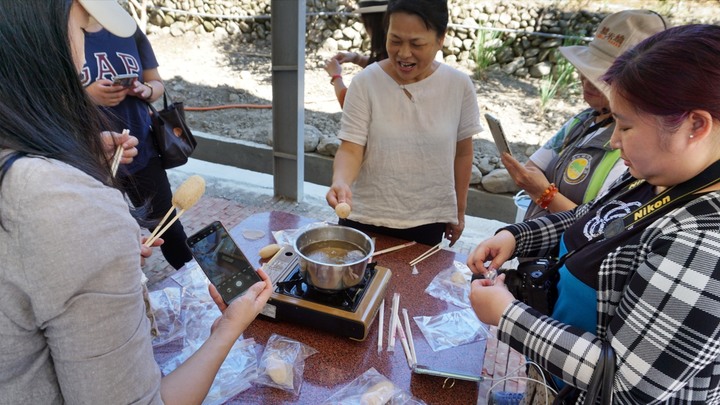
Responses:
[349,299]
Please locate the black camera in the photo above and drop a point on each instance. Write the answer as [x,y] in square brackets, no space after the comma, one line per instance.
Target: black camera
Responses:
[534,283]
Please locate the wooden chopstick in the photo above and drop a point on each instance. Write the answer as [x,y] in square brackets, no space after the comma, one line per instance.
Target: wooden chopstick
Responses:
[116,160]
[118,155]
[427,254]
[404,341]
[393,323]
[380,325]
[409,336]
[394,248]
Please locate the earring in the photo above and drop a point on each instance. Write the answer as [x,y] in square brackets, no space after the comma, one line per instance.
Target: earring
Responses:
[692,136]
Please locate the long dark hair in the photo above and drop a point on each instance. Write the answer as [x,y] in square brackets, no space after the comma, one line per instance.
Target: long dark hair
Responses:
[375,26]
[44,110]
[671,73]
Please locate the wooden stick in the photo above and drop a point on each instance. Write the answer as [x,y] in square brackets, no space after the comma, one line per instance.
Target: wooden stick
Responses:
[394,248]
[427,254]
[409,335]
[116,160]
[118,155]
[393,326]
[159,226]
[380,325]
[432,253]
[149,242]
[403,340]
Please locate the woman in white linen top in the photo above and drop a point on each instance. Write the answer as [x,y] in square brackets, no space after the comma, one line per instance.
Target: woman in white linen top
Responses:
[406,155]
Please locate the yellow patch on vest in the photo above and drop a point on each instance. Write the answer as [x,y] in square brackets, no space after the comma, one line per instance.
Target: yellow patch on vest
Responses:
[576,169]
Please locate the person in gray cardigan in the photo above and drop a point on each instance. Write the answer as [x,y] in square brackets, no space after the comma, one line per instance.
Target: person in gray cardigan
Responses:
[73,327]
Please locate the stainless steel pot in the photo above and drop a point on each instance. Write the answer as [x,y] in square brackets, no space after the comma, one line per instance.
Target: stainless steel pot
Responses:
[333,257]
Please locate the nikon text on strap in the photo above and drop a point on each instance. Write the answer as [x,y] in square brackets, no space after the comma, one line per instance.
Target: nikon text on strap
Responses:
[661,203]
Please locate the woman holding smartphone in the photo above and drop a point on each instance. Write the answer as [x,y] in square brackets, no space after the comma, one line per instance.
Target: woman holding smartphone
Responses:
[111,63]
[640,266]
[73,327]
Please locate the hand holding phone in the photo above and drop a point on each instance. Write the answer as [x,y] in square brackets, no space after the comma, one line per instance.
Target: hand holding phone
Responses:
[498,134]
[125,80]
[222,261]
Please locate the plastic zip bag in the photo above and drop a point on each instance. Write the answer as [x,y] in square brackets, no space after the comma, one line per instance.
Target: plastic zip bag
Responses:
[452,285]
[282,363]
[451,329]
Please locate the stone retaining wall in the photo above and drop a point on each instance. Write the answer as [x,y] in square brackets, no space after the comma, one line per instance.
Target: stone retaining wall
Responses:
[524,35]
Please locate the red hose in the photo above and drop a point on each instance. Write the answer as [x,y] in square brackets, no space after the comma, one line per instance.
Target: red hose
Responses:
[226,106]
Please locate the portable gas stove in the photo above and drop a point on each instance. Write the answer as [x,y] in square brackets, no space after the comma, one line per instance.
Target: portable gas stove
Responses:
[348,312]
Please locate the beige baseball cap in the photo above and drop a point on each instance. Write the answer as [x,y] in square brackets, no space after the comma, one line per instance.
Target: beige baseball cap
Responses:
[111,15]
[616,34]
[371,6]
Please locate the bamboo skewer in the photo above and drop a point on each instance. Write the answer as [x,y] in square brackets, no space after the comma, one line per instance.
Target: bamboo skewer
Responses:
[393,324]
[380,325]
[394,248]
[159,226]
[185,197]
[403,340]
[409,336]
[154,234]
[427,254]
[167,226]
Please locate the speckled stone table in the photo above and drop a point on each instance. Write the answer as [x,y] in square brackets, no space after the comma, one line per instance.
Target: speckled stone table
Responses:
[340,360]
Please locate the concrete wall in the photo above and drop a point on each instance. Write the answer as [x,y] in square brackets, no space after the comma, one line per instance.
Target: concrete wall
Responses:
[318,170]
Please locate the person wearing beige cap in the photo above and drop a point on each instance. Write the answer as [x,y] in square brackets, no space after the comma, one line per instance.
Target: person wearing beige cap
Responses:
[637,312]
[577,164]
[372,15]
[73,327]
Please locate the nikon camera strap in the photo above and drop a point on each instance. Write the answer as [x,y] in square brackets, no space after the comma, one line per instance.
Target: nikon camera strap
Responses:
[661,203]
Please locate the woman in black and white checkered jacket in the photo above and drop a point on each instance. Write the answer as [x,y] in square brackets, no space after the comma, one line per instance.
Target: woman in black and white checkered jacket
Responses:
[641,266]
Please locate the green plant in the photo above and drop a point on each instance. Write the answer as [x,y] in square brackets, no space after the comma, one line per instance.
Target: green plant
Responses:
[561,80]
[556,83]
[668,8]
[486,45]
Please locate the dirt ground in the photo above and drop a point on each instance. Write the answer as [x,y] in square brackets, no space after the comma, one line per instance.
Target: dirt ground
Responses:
[208,72]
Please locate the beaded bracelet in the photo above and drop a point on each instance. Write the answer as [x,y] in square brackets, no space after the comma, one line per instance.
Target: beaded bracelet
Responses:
[547,196]
[333,77]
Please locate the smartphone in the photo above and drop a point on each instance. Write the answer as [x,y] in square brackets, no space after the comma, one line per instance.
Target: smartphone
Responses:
[498,134]
[125,80]
[222,261]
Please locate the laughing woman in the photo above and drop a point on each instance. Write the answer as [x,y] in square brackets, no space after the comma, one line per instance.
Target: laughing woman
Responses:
[642,272]
[406,155]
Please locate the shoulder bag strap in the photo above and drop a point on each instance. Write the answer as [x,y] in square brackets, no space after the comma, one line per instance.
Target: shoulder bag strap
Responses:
[600,386]
[136,37]
[608,375]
